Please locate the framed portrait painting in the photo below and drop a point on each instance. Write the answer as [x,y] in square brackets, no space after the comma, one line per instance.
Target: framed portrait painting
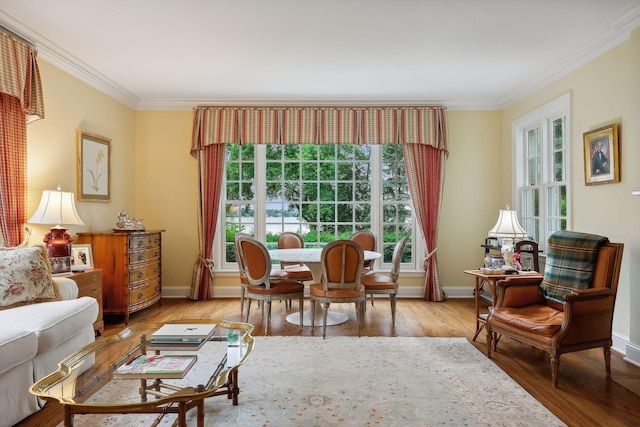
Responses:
[94,167]
[601,157]
[81,257]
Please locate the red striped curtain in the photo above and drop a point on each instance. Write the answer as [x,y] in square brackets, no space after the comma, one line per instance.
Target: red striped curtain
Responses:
[423,130]
[20,102]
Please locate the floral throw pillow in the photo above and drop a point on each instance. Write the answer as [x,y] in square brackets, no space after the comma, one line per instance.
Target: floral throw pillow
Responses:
[25,277]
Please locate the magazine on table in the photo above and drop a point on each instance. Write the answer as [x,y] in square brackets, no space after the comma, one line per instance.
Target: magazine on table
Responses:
[157,366]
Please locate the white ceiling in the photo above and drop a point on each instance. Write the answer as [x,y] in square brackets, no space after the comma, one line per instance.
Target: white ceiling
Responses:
[464,54]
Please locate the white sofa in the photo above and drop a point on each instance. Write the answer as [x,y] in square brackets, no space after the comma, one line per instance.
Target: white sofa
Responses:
[33,339]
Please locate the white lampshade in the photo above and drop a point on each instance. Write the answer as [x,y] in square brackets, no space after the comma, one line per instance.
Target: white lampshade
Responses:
[508,226]
[56,207]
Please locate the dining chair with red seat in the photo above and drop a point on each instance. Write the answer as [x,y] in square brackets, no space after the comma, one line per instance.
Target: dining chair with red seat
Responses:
[367,240]
[261,286]
[342,263]
[294,270]
[387,284]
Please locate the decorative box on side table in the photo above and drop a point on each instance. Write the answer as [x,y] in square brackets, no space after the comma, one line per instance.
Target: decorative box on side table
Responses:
[90,285]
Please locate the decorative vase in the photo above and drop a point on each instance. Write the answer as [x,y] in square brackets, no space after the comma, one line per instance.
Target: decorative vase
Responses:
[507,251]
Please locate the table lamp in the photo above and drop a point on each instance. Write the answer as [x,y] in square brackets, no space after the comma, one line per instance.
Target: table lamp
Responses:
[507,230]
[57,207]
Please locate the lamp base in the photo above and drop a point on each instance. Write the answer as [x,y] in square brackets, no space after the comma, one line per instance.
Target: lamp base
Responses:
[58,242]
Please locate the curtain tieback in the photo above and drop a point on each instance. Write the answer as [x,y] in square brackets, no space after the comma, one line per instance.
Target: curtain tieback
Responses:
[208,262]
[425,262]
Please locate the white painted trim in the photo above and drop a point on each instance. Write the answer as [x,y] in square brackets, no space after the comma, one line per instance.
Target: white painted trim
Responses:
[632,354]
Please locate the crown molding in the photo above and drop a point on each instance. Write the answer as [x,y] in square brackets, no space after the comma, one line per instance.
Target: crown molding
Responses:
[615,33]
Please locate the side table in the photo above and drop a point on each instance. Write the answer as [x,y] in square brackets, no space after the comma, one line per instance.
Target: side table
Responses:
[490,280]
[90,285]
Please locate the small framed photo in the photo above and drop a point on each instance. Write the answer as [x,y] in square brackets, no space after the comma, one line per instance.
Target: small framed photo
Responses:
[81,257]
[94,167]
[60,265]
[601,159]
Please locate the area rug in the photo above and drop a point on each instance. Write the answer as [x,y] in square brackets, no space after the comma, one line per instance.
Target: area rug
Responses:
[367,381]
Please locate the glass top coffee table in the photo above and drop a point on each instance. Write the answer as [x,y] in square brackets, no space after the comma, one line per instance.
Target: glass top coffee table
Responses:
[85,384]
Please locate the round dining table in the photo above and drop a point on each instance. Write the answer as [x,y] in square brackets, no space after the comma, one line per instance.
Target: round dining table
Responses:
[311,258]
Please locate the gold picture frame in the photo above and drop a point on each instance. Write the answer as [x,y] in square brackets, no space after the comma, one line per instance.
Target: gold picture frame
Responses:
[94,167]
[601,158]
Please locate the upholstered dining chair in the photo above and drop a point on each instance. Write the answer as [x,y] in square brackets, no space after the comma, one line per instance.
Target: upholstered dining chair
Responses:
[367,240]
[261,286]
[294,270]
[570,308]
[386,284]
[342,263]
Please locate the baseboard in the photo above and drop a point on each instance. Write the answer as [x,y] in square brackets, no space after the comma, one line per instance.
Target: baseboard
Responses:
[632,354]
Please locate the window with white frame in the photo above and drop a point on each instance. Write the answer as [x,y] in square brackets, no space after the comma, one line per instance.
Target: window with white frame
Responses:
[322,192]
[541,169]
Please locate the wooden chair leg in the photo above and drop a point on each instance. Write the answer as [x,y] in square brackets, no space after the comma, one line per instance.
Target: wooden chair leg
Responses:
[324,320]
[555,364]
[267,317]
[301,309]
[392,299]
[607,358]
[242,291]
[313,314]
[246,315]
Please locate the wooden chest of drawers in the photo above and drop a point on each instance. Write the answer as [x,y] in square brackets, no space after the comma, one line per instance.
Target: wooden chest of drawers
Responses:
[131,269]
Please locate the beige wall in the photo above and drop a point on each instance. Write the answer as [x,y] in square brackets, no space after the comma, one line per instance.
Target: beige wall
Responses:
[51,148]
[604,91]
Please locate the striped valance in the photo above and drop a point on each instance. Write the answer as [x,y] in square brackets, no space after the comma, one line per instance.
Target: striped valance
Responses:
[319,125]
[19,75]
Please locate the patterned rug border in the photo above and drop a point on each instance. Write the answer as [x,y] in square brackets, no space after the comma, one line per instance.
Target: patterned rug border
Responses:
[371,381]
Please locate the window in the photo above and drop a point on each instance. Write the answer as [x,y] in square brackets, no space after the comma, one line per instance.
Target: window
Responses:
[322,192]
[541,163]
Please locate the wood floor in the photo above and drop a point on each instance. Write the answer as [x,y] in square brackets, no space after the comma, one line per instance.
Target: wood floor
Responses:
[585,396]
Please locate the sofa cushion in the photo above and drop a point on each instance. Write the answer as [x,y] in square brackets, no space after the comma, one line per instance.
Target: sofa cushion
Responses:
[53,322]
[25,277]
[17,345]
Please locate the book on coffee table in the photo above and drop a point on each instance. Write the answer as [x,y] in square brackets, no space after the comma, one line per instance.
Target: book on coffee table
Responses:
[157,366]
[181,336]
[176,332]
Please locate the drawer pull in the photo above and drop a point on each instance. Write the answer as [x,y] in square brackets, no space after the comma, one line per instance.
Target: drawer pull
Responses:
[140,274]
[140,257]
[157,253]
[140,295]
[157,270]
[157,288]
[140,243]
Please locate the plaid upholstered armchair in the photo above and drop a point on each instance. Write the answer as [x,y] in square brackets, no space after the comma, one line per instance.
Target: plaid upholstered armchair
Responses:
[571,308]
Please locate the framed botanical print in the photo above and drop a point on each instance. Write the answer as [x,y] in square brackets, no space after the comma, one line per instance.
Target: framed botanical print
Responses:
[94,167]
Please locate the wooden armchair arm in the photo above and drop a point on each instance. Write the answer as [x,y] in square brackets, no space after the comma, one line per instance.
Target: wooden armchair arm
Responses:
[590,301]
[518,292]
[588,316]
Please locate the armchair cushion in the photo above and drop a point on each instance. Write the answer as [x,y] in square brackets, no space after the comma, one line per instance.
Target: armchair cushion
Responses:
[570,263]
[539,319]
